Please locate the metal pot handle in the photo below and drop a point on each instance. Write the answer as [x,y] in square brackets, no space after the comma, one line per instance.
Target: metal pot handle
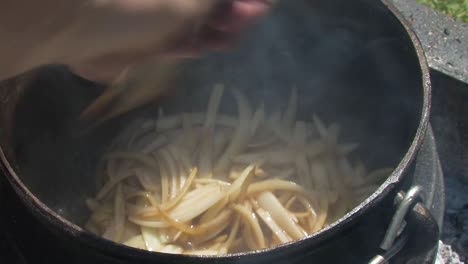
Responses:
[412,224]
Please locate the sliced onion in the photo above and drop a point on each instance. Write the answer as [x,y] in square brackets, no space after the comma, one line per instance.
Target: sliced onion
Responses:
[196,202]
[119,214]
[236,187]
[241,135]
[277,231]
[172,249]
[248,167]
[181,193]
[213,105]
[112,183]
[151,238]
[251,219]
[272,185]
[274,157]
[147,179]
[136,242]
[270,203]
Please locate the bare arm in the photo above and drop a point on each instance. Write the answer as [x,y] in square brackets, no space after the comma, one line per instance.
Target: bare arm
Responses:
[99,38]
[26,27]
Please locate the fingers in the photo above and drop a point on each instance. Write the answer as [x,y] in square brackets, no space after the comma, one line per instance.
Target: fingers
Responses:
[105,69]
[223,29]
[102,75]
[220,32]
[238,14]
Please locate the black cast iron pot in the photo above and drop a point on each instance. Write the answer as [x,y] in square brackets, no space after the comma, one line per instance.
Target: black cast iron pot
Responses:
[354,62]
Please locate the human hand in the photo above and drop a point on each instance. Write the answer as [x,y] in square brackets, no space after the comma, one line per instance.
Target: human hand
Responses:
[100,38]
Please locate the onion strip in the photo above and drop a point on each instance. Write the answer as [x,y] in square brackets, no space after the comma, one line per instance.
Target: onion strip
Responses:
[181,193]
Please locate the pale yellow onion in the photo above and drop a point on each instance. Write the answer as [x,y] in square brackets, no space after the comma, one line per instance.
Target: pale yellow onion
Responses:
[270,203]
[182,156]
[346,169]
[92,204]
[119,214]
[102,214]
[171,249]
[206,154]
[299,136]
[148,223]
[164,175]
[151,239]
[154,145]
[211,229]
[241,135]
[320,126]
[248,238]
[110,233]
[136,210]
[303,171]
[213,105]
[112,183]
[289,202]
[172,170]
[232,234]
[136,242]
[314,148]
[271,185]
[275,124]
[277,231]
[147,179]
[212,181]
[251,219]
[277,156]
[186,213]
[190,135]
[284,197]
[202,252]
[214,210]
[310,213]
[221,138]
[235,189]
[131,230]
[322,213]
[182,192]
[195,203]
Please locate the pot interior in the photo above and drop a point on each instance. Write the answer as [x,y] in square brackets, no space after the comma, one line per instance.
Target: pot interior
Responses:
[351,63]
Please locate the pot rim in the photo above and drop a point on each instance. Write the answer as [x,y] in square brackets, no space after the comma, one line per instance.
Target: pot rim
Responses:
[47,214]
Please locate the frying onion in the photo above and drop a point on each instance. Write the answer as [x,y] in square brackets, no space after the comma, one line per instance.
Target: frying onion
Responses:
[214,184]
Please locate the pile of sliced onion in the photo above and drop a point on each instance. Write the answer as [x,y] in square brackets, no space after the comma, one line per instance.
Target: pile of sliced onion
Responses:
[214,184]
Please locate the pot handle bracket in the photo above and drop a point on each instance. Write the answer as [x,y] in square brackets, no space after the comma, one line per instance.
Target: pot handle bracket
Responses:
[412,230]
